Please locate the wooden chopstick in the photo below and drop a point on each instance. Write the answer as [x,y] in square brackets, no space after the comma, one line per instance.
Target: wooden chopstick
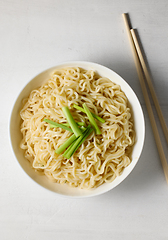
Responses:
[151,88]
[147,100]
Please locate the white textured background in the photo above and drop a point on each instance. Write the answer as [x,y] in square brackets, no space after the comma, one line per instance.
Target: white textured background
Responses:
[38,34]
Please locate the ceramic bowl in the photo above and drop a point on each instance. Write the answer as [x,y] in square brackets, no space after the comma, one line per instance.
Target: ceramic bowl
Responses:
[64,190]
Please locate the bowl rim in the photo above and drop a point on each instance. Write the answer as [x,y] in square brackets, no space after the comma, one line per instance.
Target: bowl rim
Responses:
[96,66]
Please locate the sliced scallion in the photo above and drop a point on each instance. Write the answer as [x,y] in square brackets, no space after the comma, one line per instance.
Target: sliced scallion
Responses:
[55,124]
[77,143]
[91,119]
[68,142]
[78,123]
[76,130]
[67,124]
[94,115]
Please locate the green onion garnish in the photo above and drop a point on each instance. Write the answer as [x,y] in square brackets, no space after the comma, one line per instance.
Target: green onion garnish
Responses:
[67,124]
[54,124]
[76,130]
[78,123]
[91,119]
[94,115]
[76,144]
[80,133]
[66,144]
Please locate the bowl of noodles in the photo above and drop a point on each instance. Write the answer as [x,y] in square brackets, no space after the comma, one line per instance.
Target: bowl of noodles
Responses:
[99,161]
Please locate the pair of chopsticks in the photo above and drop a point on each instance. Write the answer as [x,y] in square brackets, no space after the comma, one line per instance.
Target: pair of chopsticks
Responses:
[143,71]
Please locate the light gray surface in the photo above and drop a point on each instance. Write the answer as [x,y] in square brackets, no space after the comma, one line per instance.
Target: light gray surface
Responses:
[36,35]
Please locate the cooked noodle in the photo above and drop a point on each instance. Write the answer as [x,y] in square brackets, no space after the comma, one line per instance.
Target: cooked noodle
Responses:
[101,158]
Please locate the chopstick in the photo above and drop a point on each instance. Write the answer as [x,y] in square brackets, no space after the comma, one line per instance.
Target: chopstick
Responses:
[147,100]
[149,81]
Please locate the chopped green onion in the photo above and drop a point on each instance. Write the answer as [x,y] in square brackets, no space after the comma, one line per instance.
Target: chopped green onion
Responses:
[68,142]
[78,123]
[76,130]
[80,133]
[76,144]
[67,124]
[91,119]
[70,146]
[54,124]
[94,115]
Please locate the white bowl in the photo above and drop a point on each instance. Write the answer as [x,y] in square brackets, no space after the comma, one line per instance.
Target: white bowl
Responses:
[15,135]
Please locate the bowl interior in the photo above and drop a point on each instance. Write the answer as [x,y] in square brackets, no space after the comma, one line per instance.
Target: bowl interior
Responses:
[15,135]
